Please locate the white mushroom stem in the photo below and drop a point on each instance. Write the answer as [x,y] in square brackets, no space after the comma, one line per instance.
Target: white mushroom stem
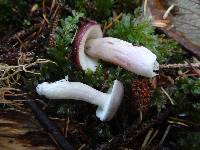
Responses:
[107,103]
[133,58]
[72,90]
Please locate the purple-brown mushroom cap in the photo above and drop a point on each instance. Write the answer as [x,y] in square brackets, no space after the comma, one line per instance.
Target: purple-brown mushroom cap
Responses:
[89,30]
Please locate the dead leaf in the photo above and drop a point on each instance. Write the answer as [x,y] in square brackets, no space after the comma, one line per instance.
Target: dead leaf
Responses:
[178,19]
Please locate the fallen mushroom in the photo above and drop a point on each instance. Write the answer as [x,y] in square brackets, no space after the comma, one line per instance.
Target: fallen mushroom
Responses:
[90,46]
[107,103]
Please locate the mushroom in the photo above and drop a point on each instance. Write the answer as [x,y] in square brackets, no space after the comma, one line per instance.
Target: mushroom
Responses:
[90,46]
[107,103]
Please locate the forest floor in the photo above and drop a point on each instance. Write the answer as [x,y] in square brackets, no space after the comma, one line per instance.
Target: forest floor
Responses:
[36,45]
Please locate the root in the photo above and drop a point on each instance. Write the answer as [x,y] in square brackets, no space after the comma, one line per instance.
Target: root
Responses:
[10,75]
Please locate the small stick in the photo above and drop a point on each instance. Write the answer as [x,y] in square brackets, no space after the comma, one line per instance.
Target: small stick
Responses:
[145,8]
[165,135]
[167,12]
[66,128]
[81,147]
[49,126]
[111,23]
[172,102]
[52,5]
[20,41]
[153,136]
[186,65]
[147,138]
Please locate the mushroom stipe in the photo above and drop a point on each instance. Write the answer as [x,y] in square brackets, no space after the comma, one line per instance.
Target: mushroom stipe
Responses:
[107,103]
[89,46]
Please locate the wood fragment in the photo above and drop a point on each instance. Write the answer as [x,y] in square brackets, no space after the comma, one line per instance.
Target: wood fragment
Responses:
[19,131]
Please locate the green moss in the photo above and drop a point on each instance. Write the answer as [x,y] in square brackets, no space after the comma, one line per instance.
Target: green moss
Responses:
[189,86]
[133,30]
[159,100]
[61,53]
[64,37]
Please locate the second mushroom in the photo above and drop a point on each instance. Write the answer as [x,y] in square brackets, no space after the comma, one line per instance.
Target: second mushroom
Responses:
[90,46]
[107,103]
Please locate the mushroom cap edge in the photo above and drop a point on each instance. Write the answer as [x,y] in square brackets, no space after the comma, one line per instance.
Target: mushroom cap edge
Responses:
[89,30]
[106,112]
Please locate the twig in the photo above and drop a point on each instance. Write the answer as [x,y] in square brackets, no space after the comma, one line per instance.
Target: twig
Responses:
[164,91]
[178,123]
[82,147]
[23,33]
[111,23]
[66,127]
[153,136]
[54,23]
[173,66]
[56,13]
[44,12]
[145,8]
[197,71]
[52,5]
[167,12]
[49,126]
[147,139]
[165,135]
[161,23]
[20,41]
